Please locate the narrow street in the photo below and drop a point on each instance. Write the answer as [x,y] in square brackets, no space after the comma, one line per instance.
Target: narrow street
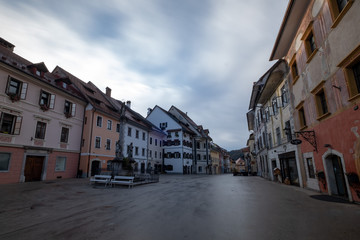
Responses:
[178,207]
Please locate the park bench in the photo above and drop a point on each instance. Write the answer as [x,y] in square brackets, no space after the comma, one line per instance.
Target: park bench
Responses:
[123,180]
[100,179]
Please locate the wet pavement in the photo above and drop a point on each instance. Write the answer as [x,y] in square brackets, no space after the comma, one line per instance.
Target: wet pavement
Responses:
[178,207]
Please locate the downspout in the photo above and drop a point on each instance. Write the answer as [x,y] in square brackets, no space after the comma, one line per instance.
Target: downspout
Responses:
[91,132]
[195,157]
[207,156]
[82,135]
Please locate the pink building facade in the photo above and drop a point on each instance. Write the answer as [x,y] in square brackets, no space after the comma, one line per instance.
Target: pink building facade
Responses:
[41,121]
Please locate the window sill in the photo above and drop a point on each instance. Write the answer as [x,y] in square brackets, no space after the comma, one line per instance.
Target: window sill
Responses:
[311,55]
[354,97]
[342,14]
[303,127]
[295,79]
[322,117]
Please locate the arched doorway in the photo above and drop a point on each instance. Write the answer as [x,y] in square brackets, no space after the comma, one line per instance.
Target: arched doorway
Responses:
[95,167]
[335,176]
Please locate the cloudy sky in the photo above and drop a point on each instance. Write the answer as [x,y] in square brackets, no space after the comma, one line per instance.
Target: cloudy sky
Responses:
[201,56]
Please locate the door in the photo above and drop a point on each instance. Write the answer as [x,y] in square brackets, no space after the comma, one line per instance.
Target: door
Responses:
[339,176]
[33,168]
[95,168]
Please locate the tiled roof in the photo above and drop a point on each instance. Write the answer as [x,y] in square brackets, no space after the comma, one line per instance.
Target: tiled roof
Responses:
[91,93]
[8,57]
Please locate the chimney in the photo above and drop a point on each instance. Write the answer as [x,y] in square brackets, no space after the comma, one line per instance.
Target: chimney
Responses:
[7,44]
[108,91]
[128,104]
[149,111]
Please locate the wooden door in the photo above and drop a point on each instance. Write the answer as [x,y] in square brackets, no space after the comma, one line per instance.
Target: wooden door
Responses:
[33,168]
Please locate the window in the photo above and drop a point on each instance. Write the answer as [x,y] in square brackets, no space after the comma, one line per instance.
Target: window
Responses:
[320,100]
[97,142]
[137,134]
[136,151]
[99,121]
[150,140]
[204,157]
[169,135]
[155,154]
[198,157]
[129,131]
[176,134]
[40,130]
[351,68]
[143,152]
[270,141]
[4,161]
[294,69]
[284,95]
[197,145]
[150,153]
[309,41]
[274,104]
[155,142]
[288,131]
[338,9]
[118,127]
[278,136]
[10,124]
[60,164]
[302,118]
[46,100]
[160,155]
[310,166]
[108,144]
[69,109]
[16,89]
[109,124]
[64,135]
[163,125]
[143,136]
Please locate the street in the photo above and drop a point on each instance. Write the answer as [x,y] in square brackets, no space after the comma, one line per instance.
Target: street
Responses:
[178,207]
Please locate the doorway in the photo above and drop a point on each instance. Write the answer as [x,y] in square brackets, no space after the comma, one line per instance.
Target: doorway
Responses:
[336,176]
[95,168]
[289,171]
[33,168]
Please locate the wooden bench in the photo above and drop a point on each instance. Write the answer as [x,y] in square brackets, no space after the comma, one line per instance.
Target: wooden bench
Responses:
[123,180]
[100,179]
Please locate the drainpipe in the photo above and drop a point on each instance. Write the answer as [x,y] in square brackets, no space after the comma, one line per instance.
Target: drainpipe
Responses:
[82,135]
[207,156]
[91,133]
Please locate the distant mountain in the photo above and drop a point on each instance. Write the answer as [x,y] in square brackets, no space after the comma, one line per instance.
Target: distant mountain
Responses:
[235,154]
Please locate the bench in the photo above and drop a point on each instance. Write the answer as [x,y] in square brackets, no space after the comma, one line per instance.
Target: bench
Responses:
[100,179]
[123,180]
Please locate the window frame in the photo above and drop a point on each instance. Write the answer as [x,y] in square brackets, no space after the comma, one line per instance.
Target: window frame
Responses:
[301,115]
[50,100]
[21,89]
[347,65]
[63,169]
[40,131]
[70,110]
[66,136]
[294,69]
[108,144]
[8,163]
[319,96]
[15,124]
[97,142]
[99,120]
[129,131]
[336,14]
[310,173]
[307,42]
[109,125]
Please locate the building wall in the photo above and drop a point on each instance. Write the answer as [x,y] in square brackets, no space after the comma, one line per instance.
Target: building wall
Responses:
[338,130]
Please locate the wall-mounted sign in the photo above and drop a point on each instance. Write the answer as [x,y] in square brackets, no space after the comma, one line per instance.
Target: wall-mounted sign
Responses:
[295,141]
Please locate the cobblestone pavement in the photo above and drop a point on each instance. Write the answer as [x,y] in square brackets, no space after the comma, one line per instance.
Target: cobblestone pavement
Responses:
[178,207]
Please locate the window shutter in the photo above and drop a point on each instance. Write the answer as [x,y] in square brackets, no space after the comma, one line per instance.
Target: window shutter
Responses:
[73,110]
[7,85]
[279,102]
[271,111]
[52,101]
[23,90]
[17,125]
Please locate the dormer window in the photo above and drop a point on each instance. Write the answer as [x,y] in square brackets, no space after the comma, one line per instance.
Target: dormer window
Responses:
[64,85]
[38,73]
